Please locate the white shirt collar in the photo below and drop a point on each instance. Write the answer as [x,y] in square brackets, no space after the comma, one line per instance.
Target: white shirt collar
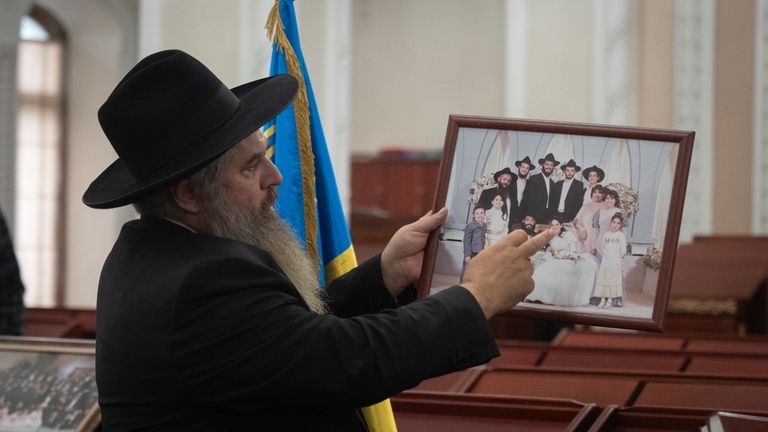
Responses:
[179,224]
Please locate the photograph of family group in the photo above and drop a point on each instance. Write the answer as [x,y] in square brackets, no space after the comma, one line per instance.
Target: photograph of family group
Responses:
[608,197]
[46,391]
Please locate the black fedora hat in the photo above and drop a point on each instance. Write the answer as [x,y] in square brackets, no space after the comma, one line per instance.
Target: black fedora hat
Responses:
[571,164]
[526,160]
[600,173]
[171,116]
[498,174]
[549,157]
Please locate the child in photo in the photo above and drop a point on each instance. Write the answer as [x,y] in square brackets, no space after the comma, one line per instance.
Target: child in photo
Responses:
[609,285]
[474,237]
[496,219]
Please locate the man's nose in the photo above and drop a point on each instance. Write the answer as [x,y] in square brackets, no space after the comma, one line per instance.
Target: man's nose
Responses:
[271,175]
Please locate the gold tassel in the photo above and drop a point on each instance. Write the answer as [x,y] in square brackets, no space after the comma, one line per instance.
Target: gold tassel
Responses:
[277,35]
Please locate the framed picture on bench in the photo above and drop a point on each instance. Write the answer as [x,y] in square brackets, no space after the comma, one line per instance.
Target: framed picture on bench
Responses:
[614,193]
[48,385]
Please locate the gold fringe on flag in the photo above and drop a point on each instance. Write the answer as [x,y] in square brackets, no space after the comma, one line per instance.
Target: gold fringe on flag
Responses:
[277,35]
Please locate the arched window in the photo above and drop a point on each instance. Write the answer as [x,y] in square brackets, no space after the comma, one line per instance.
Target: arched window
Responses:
[39,157]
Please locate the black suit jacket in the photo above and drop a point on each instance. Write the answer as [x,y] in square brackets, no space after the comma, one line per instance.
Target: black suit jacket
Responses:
[535,200]
[573,200]
[196,332]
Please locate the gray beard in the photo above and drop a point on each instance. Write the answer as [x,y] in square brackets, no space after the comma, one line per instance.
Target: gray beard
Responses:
[265,230]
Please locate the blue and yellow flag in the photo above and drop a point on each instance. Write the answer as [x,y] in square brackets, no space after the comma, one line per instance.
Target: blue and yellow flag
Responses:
[308,198]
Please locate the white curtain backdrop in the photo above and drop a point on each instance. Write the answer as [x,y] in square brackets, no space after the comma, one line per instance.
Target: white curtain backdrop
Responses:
[561,146]
[500,154]
[663,194]
[616,163]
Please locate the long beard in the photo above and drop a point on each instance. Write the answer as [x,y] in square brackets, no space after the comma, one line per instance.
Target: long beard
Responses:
[264,229]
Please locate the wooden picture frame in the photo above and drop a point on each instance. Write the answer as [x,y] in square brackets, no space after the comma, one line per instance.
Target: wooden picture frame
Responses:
[647,169]
[48,384]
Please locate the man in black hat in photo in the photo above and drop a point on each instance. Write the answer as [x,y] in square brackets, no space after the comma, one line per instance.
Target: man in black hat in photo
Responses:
[538,197]
[594,176]
[209,313]
[504,179]
[524,167]
[568,193]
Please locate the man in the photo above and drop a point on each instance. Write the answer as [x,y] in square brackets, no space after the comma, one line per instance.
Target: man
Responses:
[537,200]
[11,287]
[594,176]
[209,314]
[569,193]
[504,186]
[529,225]
[524,167]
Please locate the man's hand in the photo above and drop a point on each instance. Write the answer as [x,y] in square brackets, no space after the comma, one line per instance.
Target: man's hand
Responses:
[403,256]
[500,276]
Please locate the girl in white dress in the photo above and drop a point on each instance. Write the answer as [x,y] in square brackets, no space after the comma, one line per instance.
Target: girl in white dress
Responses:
[601,221]
[563,276]
[609,283]
[497,221]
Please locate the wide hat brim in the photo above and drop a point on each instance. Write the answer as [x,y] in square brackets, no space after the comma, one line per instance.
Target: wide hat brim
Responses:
[599,171]
[117,186]
[527,162]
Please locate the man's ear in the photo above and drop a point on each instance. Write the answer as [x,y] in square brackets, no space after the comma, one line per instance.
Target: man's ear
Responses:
[186,196]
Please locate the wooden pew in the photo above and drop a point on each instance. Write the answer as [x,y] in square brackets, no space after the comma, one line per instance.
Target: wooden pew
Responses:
[60,322]
[719,344]
[426,412]
[742,397]
[720,269]
[601,390]
[639,419]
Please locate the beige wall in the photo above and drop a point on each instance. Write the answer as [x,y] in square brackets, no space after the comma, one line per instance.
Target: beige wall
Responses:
[733,111]
[558,67]
[416,62]
[207,30]
[656,43]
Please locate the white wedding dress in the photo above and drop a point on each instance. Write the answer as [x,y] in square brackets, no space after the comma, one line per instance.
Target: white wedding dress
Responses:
[562,275]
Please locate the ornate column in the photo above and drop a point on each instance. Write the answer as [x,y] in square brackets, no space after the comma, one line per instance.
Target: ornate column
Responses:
[694,92]
[760,152]
[614,81]
[13,10]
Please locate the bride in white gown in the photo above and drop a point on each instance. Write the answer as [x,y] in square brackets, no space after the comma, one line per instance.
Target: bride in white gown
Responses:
[562,275]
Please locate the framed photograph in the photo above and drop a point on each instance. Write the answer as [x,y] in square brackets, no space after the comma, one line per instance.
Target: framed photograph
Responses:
[48,385]
[615,194]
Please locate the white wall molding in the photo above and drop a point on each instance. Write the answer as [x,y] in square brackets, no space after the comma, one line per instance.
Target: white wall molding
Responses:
[337,88]
[255,51]
[514,58]
[614,77]
[150,26]
[760,136]
[694,95]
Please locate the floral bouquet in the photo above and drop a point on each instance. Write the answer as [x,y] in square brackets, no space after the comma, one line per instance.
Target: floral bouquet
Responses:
[652,258]
[568,255]
[628,198]
[557,175]
[477,187]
